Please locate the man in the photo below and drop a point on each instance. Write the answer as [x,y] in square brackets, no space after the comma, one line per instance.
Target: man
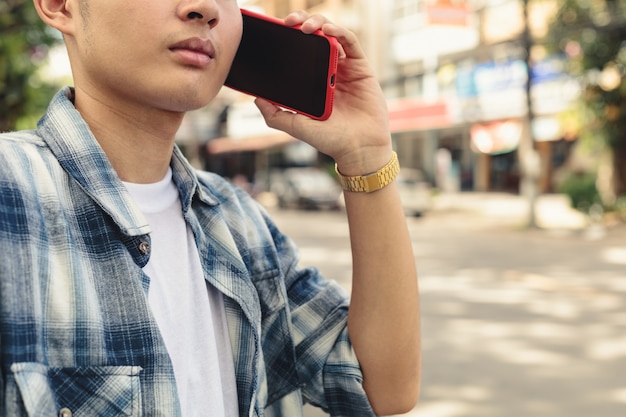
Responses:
[132,284]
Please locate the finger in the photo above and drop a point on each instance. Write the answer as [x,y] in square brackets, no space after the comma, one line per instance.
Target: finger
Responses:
[275,117]
[309,23]
[347,39]
[267,109]
[314,23]
[296,18]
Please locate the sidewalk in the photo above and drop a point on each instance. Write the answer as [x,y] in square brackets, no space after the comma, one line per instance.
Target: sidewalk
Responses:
[552,211]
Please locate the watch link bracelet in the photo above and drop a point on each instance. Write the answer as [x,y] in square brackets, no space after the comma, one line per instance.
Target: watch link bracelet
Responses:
[371,182]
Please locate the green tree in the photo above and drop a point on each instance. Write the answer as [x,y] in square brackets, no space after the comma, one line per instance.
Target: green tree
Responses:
[592,34]
[24,44]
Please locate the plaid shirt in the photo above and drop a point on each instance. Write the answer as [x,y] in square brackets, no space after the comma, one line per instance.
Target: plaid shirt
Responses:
[76,332]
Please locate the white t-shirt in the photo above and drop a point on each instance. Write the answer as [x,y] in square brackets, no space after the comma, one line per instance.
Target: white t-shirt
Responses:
[190,313]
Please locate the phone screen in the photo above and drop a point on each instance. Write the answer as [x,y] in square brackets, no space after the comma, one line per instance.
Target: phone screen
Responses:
[285,66]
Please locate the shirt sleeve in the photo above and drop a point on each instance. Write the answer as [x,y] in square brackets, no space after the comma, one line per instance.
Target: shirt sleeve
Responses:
[328,370]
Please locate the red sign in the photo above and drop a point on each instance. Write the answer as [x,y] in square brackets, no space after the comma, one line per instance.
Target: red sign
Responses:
[447,12]
[410,114]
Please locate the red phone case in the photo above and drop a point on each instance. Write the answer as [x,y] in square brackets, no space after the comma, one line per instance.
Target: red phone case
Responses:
[331,73]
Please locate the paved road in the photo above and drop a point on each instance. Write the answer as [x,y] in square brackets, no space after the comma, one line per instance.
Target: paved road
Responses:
[515,322]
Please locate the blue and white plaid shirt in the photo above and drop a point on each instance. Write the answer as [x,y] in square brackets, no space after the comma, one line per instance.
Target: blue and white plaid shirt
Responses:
[76,332]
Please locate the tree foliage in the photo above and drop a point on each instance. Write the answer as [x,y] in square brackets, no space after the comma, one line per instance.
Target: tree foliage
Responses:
[592,34]
[24,44]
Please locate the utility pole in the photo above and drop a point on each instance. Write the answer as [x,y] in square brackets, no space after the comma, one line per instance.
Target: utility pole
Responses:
[529,158]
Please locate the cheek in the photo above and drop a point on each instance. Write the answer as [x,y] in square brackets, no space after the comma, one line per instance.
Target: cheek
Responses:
[228,41]
[230,35]
[102,43]
[234,44]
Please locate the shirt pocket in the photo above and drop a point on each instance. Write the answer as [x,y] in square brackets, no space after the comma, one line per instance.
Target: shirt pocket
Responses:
[83,391]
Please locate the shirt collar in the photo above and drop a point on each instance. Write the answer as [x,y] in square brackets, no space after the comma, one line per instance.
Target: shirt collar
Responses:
[70,139]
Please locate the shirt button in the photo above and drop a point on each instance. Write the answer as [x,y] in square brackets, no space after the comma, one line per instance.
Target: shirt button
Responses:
[144,248]
[65,412]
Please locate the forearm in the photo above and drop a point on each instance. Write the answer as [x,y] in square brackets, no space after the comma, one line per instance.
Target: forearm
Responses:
[383,321]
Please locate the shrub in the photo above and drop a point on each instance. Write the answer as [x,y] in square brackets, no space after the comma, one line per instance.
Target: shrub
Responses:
[581,190]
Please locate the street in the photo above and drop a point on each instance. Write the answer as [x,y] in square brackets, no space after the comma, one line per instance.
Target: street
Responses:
[514,322]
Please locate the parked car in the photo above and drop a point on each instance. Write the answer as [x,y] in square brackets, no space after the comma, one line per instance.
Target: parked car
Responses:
[305,188]
[415,192]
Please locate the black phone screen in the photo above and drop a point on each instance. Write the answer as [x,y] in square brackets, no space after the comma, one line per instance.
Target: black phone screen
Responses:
[283,65]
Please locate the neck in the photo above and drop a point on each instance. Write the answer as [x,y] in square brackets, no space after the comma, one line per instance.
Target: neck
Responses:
[138,141]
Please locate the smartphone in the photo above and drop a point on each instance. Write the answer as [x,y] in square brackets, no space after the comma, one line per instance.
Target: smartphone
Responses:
[285,66]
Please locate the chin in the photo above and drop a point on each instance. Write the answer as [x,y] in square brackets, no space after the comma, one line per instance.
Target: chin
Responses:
[189,100]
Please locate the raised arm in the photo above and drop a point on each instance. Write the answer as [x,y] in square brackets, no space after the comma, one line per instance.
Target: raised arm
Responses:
[383,321]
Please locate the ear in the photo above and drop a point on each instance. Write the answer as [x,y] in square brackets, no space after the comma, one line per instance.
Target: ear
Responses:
[57,14]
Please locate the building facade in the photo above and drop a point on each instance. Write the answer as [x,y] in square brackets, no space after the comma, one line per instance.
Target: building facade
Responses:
[487,121]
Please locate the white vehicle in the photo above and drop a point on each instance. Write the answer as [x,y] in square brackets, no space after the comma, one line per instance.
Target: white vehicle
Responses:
[305,188]
[415,192]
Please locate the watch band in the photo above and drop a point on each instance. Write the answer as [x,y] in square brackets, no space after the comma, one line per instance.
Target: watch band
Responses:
[371,182]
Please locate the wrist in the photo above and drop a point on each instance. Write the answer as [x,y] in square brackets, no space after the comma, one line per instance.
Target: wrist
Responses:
[364,161]
[370,181]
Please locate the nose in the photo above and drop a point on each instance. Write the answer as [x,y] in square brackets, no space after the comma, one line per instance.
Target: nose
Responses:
[203,11]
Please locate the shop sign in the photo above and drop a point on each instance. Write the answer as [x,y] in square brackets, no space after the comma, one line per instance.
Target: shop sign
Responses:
[447,12]
[496,137]
[490,76]
[492,90]
[498,76]
[411,114]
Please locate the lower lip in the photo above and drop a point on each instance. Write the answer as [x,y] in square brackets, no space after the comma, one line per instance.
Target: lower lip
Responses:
[192,58]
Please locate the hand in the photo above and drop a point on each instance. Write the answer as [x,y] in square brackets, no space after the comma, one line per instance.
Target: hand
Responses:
[357,133]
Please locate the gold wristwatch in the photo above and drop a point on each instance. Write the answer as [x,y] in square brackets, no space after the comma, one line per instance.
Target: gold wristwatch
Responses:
[371,182]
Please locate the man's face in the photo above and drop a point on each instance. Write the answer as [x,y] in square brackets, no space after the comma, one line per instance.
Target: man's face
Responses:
[167,54]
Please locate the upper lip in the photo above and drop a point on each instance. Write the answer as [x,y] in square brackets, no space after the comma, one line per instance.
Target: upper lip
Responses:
[203,46]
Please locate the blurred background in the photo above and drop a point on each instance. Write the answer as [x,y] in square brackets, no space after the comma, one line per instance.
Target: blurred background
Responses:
[509,118]
[514,96]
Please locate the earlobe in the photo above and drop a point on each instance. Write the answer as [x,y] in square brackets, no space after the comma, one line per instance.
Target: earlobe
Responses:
[56,13]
